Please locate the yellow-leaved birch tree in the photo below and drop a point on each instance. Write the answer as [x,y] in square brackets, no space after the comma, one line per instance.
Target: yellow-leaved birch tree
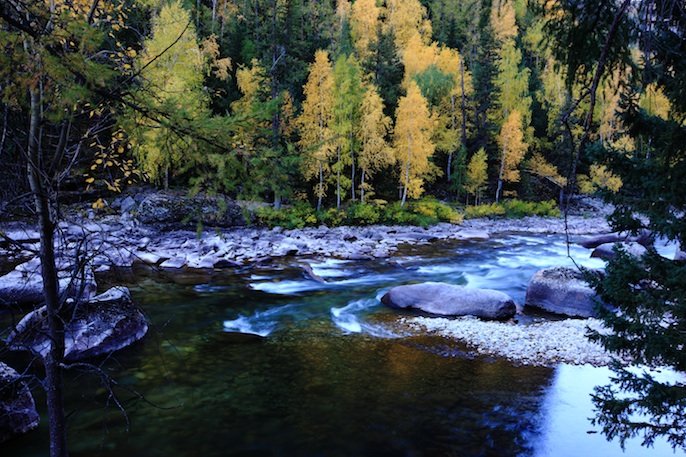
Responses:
[364,26]
[412,143]
[173,67]
[375,153]
[477,174]
[315,122]
[512,151]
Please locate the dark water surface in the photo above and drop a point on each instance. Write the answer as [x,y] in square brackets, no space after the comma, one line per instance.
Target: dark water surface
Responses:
[333,377]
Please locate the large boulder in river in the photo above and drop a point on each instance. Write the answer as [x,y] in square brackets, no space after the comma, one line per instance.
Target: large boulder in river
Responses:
[563,291]
[607,251]
[171,208]
[17,409]
[449,300]
[107,323]
[644,238]
[24,284]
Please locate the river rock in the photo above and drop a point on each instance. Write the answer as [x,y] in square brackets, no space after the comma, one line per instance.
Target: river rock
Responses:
[563,291]
[472,235]
[24,285]
[107,323]
[17,409]
[607,251]
[171,208]
[175,262]
[308,273]
[644,238]
[450,300]
[127,204]
[148,257]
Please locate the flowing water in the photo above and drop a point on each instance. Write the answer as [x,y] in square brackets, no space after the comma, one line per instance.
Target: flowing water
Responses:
[333,376]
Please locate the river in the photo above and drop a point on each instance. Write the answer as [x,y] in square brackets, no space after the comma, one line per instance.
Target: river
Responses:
[333,376]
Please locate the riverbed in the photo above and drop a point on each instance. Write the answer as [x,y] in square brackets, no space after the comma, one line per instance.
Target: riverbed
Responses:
[333,373]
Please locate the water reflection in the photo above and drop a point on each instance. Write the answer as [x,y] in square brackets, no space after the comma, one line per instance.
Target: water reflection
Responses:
[565,426]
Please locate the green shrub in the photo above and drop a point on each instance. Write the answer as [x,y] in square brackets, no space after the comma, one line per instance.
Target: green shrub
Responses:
[514,209]
[487,210]
[297,216]
[446,213]
[331,217]
[394,214]
[422,212]
[519,208]
[363,214]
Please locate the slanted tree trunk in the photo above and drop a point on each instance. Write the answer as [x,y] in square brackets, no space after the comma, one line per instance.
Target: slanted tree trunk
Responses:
[592,94]
[54,386]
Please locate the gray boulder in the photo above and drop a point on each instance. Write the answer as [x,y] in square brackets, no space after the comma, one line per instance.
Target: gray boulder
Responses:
[563,291]
[107,323]
[127,204]
[170,208]
[17,409]
[644,238]
[308,273]
[450,300]
[607,251]
[24,285]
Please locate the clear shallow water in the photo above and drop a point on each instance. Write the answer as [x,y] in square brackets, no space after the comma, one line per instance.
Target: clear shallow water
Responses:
[333,378]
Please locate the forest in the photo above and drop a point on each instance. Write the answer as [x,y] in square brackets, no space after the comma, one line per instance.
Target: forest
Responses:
[329,103]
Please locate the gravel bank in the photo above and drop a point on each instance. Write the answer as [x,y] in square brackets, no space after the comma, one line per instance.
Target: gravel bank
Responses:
[542,343]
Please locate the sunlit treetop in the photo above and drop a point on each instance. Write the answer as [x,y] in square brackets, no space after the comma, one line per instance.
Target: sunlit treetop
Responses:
[503,19]
[406,18]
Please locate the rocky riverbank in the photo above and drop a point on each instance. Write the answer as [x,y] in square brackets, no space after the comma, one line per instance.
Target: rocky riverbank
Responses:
[122,240]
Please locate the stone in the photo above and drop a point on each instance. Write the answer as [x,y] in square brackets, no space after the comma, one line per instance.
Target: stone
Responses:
[24,284]
[645,238]
[450,300]
[607,251]
[148,257]
[171,208]
[107,323]
[18,413]
[226,263]
[174,262]
[561,290]
[357,256]
[127,204]
[308,273]
[474,235]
